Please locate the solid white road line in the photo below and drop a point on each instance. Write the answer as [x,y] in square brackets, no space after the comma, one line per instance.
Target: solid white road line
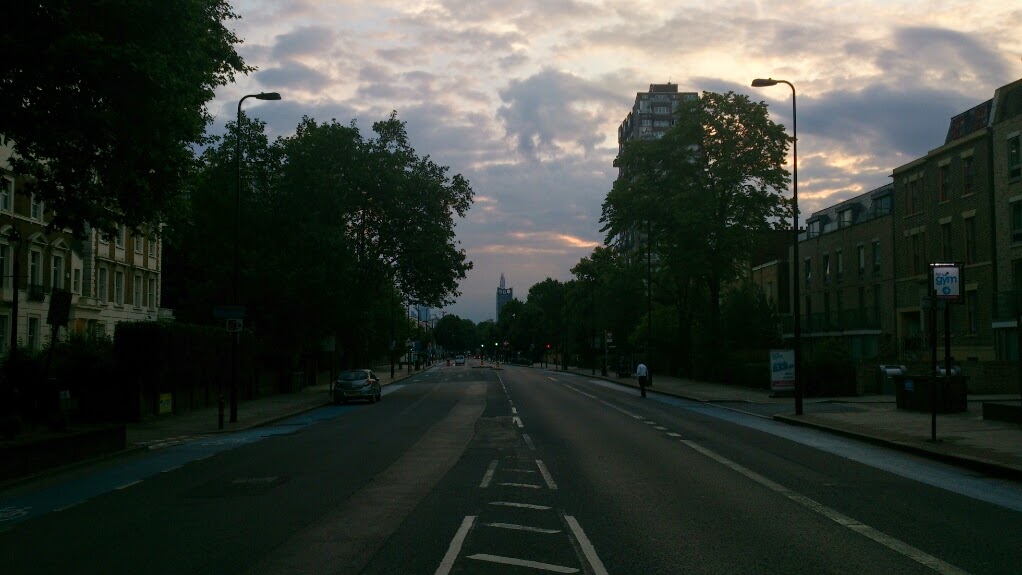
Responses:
[521,505]
[587,547]
[127,485]
[528,441]
[516,527]
[488,477]
[455,547]
[522,563]
[546,474]
[843,520]
[576,390]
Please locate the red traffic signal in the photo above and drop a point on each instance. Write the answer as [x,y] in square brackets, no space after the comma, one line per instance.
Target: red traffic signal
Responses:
[548,346]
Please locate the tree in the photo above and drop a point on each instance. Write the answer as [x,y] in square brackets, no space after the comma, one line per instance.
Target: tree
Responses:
[700,196]
[102,101]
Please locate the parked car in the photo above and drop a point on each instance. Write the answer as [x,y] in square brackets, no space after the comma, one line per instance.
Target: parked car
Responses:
[357,384]
[459,360]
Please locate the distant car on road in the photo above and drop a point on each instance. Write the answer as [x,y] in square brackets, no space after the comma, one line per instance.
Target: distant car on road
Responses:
[357,384]
[459,360]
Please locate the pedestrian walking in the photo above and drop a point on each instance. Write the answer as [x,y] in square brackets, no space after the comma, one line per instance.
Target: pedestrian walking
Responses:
[641,372]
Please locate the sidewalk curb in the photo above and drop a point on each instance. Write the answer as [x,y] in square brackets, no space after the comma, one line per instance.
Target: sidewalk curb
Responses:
[974,463]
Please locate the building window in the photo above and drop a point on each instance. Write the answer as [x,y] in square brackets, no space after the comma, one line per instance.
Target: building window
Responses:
[972,310]
[862,259]
[840,265]
[5,267]
[945,182]
[101,290]
[970,241]
[6,194]
[808,272]
[945,242]
[1016,222]
[152,247]
[876,300]
[844,218]
[967,176]
[917,254]
[876,256]
[36,212]
[57,276]
[1014,158]
[136,292]
[5,345]
[138,242]
[119,288]
[76,280]
[915,202]
[33,333]
[826,268]
[152,293]
[119,238]
[35,264]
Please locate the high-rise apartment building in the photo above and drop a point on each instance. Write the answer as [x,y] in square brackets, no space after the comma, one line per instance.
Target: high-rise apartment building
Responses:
[652,114]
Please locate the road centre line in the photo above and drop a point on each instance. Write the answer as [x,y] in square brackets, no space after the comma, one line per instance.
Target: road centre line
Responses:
[521,505]
[522,563]
[517,527]
[454,549]
[488,477]
[546,474]
[587,547]
[843,520]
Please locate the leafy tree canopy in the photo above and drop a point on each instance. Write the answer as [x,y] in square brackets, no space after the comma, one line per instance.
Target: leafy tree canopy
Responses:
[102,100]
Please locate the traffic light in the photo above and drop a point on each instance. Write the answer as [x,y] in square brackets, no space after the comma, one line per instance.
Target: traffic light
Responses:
[548,346]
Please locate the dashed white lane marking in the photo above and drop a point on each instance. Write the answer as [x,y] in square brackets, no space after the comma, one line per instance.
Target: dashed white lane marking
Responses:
[454,549]
[576,390]
[520,470]
[529,485]
[127,485]
[516,527]
[843,520]
[522,563]
[672,434]
[587,547]
[546,475]
[488,476]
[551,378]
[521,505]
[518,421]
[514,410]
[659,428]
[528,441]
[169,469]
[648,422]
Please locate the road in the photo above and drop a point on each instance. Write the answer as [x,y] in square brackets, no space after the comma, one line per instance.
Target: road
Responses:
[468,470]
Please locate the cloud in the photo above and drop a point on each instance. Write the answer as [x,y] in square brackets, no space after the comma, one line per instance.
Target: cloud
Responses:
[304,41]
[293,75]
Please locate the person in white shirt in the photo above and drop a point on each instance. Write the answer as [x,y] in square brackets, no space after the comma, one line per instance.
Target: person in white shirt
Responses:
[641,373]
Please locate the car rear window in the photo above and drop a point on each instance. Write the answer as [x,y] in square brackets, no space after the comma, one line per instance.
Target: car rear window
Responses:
[352,375]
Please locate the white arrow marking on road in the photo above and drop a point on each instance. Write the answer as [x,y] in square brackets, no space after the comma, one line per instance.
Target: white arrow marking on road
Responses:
[518,421]
[522,563]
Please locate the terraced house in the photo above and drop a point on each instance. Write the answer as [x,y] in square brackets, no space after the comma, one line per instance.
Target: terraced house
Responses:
[97,280]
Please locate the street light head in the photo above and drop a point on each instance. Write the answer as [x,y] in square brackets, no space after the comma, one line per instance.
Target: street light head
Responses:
[267,96]
[763,82]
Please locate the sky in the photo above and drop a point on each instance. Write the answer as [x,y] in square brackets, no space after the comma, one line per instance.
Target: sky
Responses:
[524,97]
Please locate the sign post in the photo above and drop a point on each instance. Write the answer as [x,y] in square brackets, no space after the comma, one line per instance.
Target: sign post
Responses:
[946,283]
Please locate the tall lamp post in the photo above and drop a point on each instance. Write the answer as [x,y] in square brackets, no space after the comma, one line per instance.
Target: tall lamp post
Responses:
[796,307]
[235,344]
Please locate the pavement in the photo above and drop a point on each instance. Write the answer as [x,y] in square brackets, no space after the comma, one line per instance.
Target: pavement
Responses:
[964,439]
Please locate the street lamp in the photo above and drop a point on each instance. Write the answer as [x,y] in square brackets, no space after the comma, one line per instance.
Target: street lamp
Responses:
[796,307]
[237,226]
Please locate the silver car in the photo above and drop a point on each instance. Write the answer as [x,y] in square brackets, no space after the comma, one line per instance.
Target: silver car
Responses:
[357,384]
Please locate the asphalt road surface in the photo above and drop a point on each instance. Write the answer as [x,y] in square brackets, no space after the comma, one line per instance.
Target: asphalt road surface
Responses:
[468,470]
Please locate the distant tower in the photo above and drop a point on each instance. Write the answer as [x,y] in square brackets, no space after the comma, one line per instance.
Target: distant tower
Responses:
[504,295]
